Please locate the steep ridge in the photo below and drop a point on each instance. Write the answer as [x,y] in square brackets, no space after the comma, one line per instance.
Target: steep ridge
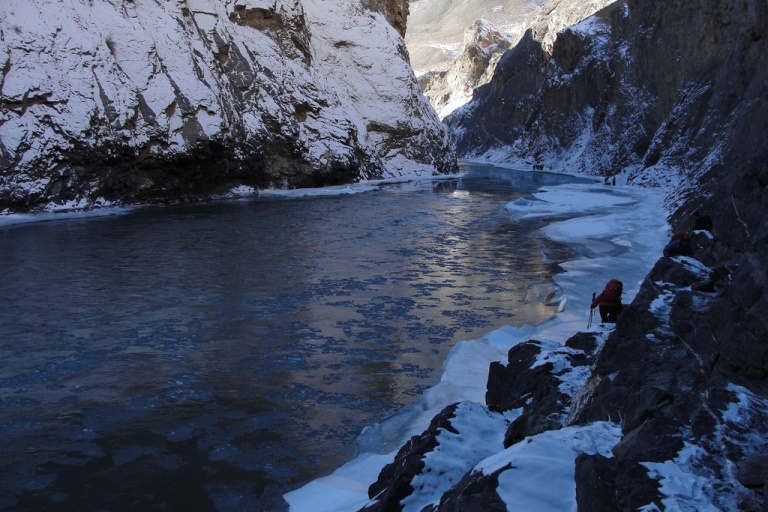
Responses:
[485,42]
[614,94]
[437,27]
[483,46]
[111,101]
[671,94]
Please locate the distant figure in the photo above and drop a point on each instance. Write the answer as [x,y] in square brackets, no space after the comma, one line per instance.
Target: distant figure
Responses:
[702,222]
[614,181]
[680,245]
[609,301]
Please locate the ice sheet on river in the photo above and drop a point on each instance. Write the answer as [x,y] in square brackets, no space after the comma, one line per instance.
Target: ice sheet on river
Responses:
[620,234]
[546,293]
[551,201]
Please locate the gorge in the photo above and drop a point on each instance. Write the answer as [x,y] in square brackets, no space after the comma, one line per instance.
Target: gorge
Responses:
[238,96]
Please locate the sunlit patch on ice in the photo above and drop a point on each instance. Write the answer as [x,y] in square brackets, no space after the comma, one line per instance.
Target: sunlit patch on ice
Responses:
[553,201]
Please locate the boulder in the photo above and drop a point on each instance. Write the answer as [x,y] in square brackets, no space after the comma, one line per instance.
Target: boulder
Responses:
[532,385]
[394,482]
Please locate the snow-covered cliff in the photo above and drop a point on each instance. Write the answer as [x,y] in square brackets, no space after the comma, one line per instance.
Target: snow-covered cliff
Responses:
[623,92]
[105,101]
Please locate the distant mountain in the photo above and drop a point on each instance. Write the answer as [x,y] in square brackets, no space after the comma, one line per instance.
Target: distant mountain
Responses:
[450,77]
[107,102]
[452,88]
[436,28]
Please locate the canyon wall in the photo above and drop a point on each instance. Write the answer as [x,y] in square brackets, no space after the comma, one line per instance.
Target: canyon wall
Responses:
[671,94]
[110,101]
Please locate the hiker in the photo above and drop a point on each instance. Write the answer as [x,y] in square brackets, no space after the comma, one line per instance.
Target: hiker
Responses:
[609,301]
[680,245]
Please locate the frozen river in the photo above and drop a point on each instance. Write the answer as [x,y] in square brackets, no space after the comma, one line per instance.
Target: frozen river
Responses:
[213,356]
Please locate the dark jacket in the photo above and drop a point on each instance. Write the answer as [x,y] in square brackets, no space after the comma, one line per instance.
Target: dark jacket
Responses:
[677,247]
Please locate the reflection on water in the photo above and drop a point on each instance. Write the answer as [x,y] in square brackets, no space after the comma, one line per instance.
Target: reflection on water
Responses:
[209,357]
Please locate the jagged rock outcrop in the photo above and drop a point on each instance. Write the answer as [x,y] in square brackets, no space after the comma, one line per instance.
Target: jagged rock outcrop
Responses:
[395,481]
[536,386]
[110,101]
[672,93]
[438,27]
[483,46]
[594,99]
[421,463]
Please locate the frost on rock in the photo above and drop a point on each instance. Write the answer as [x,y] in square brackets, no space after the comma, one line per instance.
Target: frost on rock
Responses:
[145,101]
[703,476]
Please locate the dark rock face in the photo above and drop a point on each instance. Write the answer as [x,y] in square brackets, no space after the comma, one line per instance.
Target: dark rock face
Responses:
[628,91]
[710,346]
[670,380]
[596,484]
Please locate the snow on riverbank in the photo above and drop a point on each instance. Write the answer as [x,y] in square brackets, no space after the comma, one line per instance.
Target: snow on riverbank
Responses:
[620,234]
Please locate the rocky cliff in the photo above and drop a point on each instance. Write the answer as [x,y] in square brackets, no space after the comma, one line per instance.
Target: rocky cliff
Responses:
[112,101]
[485,42]
[594,98]
[483,46]
[438,27]
[673,94]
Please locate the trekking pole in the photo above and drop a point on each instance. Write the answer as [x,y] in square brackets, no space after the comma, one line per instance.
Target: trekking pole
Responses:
[591,311]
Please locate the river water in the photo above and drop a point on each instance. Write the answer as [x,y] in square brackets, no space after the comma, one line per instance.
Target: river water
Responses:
[211,356]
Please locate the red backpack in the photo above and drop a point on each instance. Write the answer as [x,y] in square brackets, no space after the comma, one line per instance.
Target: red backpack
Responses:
[613,291]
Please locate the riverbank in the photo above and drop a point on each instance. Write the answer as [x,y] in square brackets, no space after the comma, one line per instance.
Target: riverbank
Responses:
[620,234]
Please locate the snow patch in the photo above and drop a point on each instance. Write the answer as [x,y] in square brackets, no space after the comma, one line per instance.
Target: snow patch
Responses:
[538,472]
